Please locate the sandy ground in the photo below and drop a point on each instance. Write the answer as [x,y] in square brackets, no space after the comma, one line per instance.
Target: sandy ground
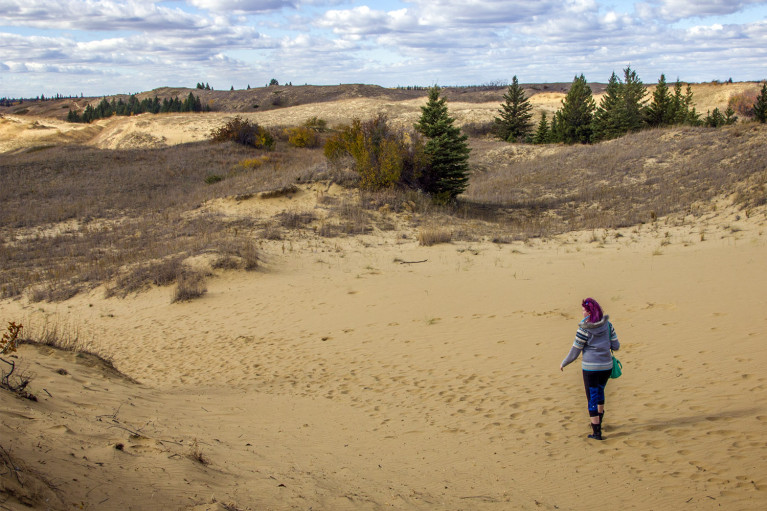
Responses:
[347,375]
[373,373]
[147,130]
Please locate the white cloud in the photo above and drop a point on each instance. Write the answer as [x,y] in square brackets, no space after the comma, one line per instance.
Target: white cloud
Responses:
[148,43]
[358,21]
[96,15]
[459,12]
[243,6]
[675,10]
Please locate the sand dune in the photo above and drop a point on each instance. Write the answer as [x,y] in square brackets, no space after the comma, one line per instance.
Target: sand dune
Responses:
[168,129]
[370,372]
[343,377]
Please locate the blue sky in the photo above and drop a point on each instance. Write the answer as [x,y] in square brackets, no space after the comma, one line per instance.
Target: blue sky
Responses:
[98,47]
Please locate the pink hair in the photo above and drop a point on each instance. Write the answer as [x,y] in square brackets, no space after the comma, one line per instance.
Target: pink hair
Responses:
[594,310]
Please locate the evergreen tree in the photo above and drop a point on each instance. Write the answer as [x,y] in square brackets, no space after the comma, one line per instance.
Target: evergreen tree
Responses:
[634,94]
[714,119]
[760,107]
[542,134]
[693,117]
[574,119]
[73,117]
[446,149]
[608,118]
[514,123]
[677,113]
[555,130]
[729,116]
[660,112]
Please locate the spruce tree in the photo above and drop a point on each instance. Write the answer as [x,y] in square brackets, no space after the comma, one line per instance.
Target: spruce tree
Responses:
[542,134]
[760,107]
[555,129]
[660,113]
[677,113]
[693,117]
[714,119]
[634,94]
[608,118]
[514,123]
[446,149]
[574,119]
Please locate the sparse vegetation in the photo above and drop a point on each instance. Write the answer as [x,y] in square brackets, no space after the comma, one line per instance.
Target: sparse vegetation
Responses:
[14,379]
[760,106]
[189,285]
[73,218]
[244,132]
[381,155]
[303,136]
[433,235]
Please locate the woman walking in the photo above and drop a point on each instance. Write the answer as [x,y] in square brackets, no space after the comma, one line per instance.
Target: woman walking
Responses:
[595,338]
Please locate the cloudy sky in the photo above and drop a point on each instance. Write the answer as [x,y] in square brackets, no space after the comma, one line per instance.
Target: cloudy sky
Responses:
[101,47]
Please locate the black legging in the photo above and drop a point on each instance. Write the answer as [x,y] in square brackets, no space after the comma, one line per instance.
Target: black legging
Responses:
[595,382]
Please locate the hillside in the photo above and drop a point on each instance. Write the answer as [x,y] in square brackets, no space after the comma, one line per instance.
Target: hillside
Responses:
[41,123]
[213,327]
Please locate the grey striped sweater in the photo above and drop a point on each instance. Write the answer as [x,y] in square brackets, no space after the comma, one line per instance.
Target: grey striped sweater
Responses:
[595,340]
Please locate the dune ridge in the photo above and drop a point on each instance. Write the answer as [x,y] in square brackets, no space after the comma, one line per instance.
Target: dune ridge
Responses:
[367,371]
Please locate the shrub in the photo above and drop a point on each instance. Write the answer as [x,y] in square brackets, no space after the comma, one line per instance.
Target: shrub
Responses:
[253,163]
[15,383]
[743,103]
[479,129]
[302,137]
[295,219]
[382,156]
[316,124]
[10,338]
[213,178]
[246,250]
[190,285]
[159,273]
[244,132]
[428,236]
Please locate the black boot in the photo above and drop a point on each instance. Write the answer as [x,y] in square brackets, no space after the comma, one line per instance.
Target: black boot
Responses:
[601,417]
[597,435]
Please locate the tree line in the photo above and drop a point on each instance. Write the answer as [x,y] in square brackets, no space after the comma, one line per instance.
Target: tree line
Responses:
[624,108]
[134,107]
[5,101]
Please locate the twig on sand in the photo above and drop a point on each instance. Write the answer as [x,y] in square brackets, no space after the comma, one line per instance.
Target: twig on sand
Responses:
[400,261]
[484,498]
[11,466]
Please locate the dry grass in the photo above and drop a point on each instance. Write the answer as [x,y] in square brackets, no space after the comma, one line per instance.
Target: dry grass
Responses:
[189,285]
[73,218]
[433,235]
[620,183]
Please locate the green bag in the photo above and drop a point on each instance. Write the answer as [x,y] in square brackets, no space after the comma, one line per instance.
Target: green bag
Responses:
[617,368]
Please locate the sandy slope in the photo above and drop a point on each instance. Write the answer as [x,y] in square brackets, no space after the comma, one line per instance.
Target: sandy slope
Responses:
[158,130]
[340,378]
